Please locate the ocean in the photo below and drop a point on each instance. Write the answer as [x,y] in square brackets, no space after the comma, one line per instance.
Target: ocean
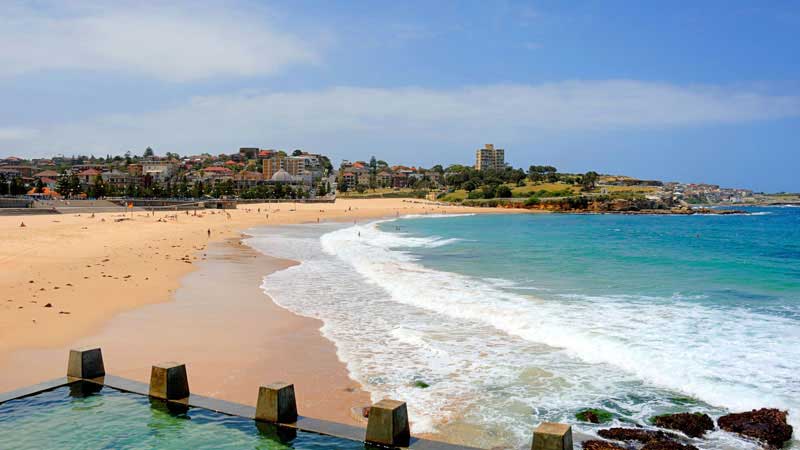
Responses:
[490,324]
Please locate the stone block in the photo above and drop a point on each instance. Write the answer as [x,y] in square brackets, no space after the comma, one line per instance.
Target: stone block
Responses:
[168,381]
[86,362]
[276,403]
[552,436]
[388,424]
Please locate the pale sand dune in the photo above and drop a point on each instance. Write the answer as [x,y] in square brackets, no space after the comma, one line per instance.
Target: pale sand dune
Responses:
[96,269]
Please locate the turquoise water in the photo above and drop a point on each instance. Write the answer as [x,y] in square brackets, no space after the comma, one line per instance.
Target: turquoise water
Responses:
[721,261]
[66,419]
[516,319]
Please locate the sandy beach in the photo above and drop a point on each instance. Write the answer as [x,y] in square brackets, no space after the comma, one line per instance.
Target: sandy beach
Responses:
[154,288]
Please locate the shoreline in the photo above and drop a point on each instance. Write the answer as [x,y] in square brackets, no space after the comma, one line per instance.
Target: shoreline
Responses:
[261,342]
[109,275]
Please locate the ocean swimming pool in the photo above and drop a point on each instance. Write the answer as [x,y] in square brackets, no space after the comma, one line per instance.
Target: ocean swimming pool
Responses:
[84,416]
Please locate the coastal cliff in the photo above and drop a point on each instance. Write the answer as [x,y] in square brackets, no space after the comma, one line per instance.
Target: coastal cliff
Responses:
[602,205]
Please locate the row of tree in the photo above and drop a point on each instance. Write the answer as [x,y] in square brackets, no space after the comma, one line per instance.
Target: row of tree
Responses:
[11,185]
[69,185]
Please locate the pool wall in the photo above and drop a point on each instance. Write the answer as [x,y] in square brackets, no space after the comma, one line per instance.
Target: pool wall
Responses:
[387,426]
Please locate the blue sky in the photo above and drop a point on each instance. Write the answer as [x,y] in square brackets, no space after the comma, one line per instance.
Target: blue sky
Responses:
[689,91]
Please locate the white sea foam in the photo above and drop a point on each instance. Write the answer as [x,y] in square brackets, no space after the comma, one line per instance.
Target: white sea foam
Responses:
[497,358]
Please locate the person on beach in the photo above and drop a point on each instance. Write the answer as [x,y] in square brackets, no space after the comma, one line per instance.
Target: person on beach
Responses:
[209,232]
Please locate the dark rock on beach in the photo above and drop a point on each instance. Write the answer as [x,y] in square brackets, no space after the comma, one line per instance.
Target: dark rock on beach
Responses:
[594,416]
[633,434]
[595,444]
[767,425]
[691,424]
[591,416]
[667,445]
[652,440]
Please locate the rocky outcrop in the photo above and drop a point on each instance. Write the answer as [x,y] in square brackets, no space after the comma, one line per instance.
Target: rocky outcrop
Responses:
[594,415]
[766,425]
[634,434]
[595,444]
[691,424]
[652,440]
[667,445]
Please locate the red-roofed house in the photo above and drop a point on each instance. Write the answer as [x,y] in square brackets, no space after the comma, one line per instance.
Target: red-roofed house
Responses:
[216,174]
[247,179]
[87,176]
[46,174]
[49,182]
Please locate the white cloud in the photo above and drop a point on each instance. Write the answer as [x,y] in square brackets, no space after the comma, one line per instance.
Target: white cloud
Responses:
[192,42]
[342,119]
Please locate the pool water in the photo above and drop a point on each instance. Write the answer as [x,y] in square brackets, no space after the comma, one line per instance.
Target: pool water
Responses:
[69,417]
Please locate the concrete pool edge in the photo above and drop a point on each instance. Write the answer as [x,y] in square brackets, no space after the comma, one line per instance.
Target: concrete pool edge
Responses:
[305,424]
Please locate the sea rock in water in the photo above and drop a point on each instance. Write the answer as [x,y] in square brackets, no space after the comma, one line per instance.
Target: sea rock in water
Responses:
[595,444]
[633,434]
[591,417]
[667,445]
[594,415]
[766,424]
[691,424]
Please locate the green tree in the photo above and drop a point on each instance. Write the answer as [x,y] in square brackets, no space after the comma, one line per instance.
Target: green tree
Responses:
[198,190]
[39,186]
[156,190]
[589,180]
[98,187]
[17,186]
[148,153]
[542,173]
[373,173]
[469,186]
[183,188]
[503,191]
[68,185]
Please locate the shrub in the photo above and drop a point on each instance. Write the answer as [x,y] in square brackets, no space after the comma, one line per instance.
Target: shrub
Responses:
[532,201]
[503,191]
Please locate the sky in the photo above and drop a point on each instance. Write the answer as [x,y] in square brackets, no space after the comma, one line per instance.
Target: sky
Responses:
[678,91]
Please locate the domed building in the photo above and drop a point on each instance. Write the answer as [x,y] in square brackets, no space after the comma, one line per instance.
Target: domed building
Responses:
[282,176]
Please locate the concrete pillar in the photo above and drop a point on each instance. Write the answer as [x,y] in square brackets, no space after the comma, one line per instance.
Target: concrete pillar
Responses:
[275,432]
[168,381]
[276,403]
[552,436]
[388,424]
[83,389]
[86,362]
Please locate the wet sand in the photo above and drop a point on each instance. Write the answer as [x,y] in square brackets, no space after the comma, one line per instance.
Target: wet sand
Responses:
[230,347]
